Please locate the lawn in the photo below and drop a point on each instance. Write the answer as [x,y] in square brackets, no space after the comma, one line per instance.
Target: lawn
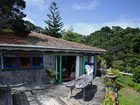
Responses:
[129,96]
[127,80]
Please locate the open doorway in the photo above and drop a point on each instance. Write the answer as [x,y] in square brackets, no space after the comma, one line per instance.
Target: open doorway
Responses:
[68,68]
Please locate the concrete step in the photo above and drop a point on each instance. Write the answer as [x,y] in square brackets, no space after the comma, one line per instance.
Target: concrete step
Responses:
[39,98]
[30,98]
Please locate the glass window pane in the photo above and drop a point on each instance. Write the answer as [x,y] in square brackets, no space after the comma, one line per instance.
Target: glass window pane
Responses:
[24,61]
[9,60]
[37,61]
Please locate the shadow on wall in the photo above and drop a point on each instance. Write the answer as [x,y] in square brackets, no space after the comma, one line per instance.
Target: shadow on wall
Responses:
[89,94]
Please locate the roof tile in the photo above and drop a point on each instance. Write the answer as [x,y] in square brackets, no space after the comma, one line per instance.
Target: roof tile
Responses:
[44,40]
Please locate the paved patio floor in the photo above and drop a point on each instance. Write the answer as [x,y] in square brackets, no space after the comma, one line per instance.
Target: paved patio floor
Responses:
[58,95]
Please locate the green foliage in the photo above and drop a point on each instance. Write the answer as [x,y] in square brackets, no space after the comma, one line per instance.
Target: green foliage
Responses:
[51,73]
[11,16]
[103,64]
[128,81]
[54,24]
[108,100]
[136,74]
[30,26]
[109,97]
[122,45]
[34,28]
[128,96]
[20,28]
[115,72]
[118,64]
[72,36]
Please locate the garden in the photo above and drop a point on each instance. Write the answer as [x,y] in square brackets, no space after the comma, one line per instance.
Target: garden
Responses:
[122,89]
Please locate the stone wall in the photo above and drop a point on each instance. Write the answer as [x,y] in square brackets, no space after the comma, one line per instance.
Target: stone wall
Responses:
[36,77]
[49,61]
[32,76]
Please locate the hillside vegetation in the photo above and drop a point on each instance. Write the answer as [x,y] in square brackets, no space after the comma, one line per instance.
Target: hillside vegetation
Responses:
[122,45]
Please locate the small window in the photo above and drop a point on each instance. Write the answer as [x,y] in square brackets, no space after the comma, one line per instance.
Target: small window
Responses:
[24,60]
[9,61]
[37,61]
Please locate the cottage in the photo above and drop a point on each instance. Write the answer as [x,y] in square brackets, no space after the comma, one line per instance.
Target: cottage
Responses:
[25,59]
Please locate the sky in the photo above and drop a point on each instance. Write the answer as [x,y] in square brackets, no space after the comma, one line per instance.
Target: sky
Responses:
[86,16]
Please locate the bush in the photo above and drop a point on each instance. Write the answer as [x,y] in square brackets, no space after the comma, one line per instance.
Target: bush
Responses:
[52,74]
[136,74]
[118,65]
[137,87]
[109,99]
[115,72]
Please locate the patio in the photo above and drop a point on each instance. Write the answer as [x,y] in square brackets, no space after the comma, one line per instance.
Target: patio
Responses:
[58,95]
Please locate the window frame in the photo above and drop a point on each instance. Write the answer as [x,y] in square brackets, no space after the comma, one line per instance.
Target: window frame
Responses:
[37,66]
[18,65]
[9,67]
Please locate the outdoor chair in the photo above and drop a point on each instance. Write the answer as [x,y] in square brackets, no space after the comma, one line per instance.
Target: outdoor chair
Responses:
[82,82]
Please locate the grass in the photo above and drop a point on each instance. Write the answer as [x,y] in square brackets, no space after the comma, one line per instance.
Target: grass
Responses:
[127,81]
[129,96]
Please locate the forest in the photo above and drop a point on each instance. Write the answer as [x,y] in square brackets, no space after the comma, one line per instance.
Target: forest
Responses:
[122,45]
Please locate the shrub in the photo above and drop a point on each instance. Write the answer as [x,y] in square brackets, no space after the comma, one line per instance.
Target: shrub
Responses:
[115,72]
[136,74]
[118,65]
[51,73]
[109,99]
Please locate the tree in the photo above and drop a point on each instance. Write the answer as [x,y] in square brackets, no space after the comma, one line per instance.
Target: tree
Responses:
[54,24]
[72,36]
[122,46]
[12,16]
[33,27]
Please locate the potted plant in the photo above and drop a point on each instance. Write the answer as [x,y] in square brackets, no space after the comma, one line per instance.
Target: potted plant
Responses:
[52,74]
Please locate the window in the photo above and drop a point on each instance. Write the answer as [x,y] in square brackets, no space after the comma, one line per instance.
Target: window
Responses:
[22,60]
[10,60]
[25,61]
[37,60]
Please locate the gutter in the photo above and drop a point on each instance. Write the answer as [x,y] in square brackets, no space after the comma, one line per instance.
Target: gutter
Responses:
[48,48]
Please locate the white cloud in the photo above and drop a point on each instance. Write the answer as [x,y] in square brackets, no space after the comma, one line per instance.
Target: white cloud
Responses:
[28,19]
[39,4]
[87,28]
[86,5]
[81,28]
